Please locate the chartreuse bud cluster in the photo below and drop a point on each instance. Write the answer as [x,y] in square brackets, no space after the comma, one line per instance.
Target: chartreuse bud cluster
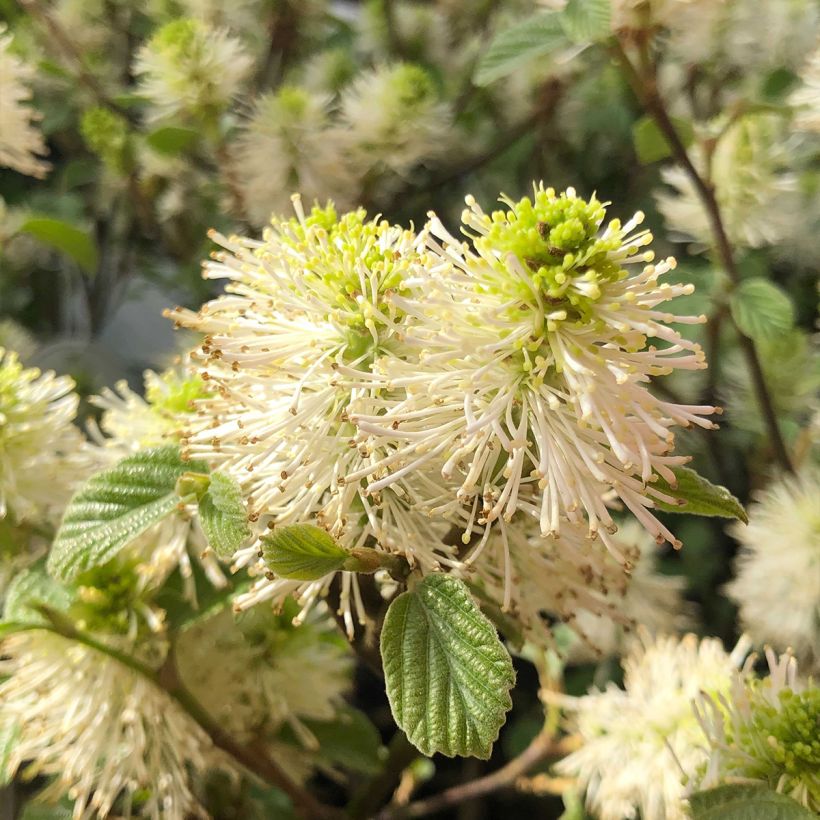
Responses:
[106,134]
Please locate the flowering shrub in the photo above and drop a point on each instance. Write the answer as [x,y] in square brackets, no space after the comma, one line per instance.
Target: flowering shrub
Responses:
[417,476]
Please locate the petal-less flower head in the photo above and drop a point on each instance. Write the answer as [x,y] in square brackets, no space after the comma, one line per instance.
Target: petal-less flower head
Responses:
[110,738]
[765,731]
[286,144]
[806,98]
[42,454]
[777,583]
[640,742]
[21,143]
[188,67]
[538,339]
[288,349]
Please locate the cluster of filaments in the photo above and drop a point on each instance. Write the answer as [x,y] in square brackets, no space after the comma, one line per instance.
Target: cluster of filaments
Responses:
[400,388]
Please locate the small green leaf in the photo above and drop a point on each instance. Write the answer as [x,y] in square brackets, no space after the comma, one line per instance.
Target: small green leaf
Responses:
[9,736]
[448,675]
[171,139]
[700,496]
[514,47]
[36,810]
[223,516]
[746,802]
[587,21]
[302,552]
[114,507]
[650,143]
[65,238]
[31,587]
[761,310]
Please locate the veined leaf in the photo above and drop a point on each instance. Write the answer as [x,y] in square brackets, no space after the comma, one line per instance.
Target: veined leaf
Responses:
[514,47]
[116,506]
[745,802]
[587,21]
[223,516]
[700,496]
[302,552]
[31,587]
[448,675]
[761,310]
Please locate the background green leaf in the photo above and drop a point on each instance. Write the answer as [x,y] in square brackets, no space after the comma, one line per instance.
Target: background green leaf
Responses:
[302,552]
[650,143]
[448,675]
[761,309]
[534,37]
[114,507]
[171,139]
[745,802]
[65,238]
[587,21]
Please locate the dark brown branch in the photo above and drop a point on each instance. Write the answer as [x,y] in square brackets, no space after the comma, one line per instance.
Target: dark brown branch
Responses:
[646,90]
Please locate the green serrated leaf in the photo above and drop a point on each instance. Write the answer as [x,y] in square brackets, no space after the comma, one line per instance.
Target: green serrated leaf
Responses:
[650,143]
[587,21]
[9,736]
[65,238]
[745,802]
[171,139]
[116,506]
[31,587]
[223,516]
[448,675]
[302,552]
[700,496]
[761,310]
[514,47]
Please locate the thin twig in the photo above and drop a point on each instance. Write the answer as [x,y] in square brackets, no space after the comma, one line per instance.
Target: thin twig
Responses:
[646,90]
[542,746]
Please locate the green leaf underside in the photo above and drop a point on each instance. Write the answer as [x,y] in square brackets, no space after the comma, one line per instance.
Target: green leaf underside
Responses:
[701,496]
[746,802]
[116,506]
[514,47]
[761,310]
[31,587]
[302,552]
[65,238]
[448,675]
[650,143]
[587,21]
[223,517]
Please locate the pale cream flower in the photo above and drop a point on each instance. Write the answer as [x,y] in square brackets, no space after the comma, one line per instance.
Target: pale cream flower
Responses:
[187,67]
[287,145]
[21,143]
[43,456]
[806,98]
[110,738]
[534,356]
[777,583]
[640,742]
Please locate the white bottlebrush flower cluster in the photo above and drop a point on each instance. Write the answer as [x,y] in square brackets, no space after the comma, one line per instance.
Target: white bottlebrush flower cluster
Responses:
[641,742]
[112,739]
[392,385]
[21,143]
[43,456]
[806,98]
[764,732]
[189,68]
[777,583]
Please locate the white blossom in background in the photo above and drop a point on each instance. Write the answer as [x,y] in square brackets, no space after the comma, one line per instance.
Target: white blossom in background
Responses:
[43,456]
[271,674]
[287,145]
[392,118]
[646,598]
[764,732]
[288,350]
[187,67]
[777,571]
[534,356]
[109,737]
[639,743]
[21,143]
[754,191]
[806,98]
